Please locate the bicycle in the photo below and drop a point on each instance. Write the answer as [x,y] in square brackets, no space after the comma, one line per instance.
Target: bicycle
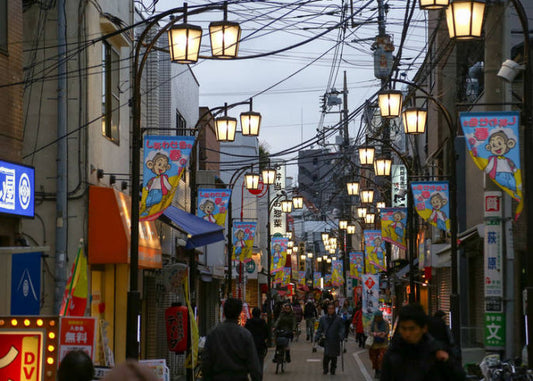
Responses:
[282,343]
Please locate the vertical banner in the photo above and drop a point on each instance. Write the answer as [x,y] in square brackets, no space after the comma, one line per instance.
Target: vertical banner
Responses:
[316,279]
[278,222]
[243,240]
[77,333]
[370,298]
[286,279]
[399,185]
[337,278]
[327,280]
[165,159]
[77,288]
[213,205]
[278,247]
[393,223]
[493,142]
[356,264]
[431,201]
[26,284]
[374,251]
[301,278]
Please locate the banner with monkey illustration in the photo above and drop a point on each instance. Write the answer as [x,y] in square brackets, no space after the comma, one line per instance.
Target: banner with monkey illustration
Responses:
[493,142]
[165,159]
[243,240]
[213,205]
[374,252]
[431,201]
[393,226]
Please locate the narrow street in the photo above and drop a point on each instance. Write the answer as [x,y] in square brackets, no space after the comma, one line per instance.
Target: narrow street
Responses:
[306,365]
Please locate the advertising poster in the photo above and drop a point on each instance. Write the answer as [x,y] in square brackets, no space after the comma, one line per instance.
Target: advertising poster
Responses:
[399,185]
[374,251]
[278,251]
[493,142]
[277,277]
[301,278]
[393,224]
[17,194]
[243,240]
[213,205]
[327,280]
[356,264]
[77,333]
[317,275]
[26,284]
[286,276]
[337,278]
[432,202]
[165,159]
[370,283]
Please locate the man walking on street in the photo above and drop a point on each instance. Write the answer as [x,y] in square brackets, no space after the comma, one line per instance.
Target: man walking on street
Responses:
[310,315]
[229,353]
[332,327]
[416,356]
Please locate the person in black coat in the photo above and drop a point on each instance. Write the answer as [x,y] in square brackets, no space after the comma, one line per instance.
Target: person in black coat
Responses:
[259,330]
[414,355]
[332,327]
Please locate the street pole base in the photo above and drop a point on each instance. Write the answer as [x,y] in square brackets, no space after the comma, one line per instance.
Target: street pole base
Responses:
[133,325]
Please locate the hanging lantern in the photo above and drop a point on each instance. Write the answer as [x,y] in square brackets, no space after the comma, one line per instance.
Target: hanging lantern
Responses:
[289,251]
[289,235]
[325,237]
[333,242]
[250,122]
[290,244]
[251,181]
[295,249]
[390,103]
[434,4]
[382,166]
[380,205]
[343,224]
[366,155]
[414,120]
[286,206]
[225,36]
[184,42]
[350,229]
[309,255]
[269,176]
[298,202]
[465,19]
[329,259]
[370,218]
[319,259]
[367,196]
[225,127]
[361,212]
[353,188]
[302,257]
[325,257]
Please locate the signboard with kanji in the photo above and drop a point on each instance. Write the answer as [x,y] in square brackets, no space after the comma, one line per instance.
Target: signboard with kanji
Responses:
[399,186]
[278,221]
[493,262]
[494,329]
[77,333]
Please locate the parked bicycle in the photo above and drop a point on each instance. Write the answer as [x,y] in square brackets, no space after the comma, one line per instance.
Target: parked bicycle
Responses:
[493,369]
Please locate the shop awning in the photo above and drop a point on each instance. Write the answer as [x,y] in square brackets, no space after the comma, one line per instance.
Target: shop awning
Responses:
[199,232]
[109,231]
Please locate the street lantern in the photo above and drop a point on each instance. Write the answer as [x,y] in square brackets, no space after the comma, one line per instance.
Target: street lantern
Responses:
[465,19]
[290,244]
[414,120]
[269,176]
[298,202]
[353,188]
[225,36]
[329,259]
[390,103]
[333,242]
[382,166]
[366,155]
[225,127]
[251,181]
[295,249]
[250,122]
[309,255]
[286,206]
[361,212]
[325,237]
[302,257]
[319,259]
[370,218]
[350,229]
[289,235]
[367,196]
[380,205]
[184,42]
[289,251]
[343,224]
[324,257]
[434,4]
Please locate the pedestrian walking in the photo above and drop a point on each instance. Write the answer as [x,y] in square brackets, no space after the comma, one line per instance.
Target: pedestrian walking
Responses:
[440,331]
[259,330]
[414,355]
[310,315]
[345,313]
[229,353]
[332,328]
[76,366]
[286,323]
[357,322]
[379,329]
[131,371]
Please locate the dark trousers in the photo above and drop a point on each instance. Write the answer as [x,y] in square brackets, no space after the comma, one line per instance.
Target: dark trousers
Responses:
[326,361]
[360,338]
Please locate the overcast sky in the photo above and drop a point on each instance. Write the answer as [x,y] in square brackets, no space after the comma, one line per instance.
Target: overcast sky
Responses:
[291,110]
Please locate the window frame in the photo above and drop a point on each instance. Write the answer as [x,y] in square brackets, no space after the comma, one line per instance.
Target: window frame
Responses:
[110,92]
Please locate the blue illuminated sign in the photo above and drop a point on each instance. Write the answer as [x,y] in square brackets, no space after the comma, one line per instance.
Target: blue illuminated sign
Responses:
[17,191]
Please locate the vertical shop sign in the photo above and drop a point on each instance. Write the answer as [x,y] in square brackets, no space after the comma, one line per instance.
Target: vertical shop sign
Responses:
[370,283]
[278,222]
[399,186]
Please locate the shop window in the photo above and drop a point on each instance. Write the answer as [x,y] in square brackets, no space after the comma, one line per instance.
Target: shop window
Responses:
[110,92]
[3,26]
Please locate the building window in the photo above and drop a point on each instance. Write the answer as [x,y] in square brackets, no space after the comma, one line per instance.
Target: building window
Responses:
[110,92]
[181,124]
[3,26]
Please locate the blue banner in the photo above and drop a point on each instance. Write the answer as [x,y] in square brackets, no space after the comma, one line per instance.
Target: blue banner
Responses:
[213,205]
[26,284]
[431,201]
[17,190]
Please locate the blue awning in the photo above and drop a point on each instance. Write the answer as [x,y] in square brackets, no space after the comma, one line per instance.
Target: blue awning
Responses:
[199,232]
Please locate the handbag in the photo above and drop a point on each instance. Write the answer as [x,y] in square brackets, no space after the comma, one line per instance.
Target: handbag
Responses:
[369,342]
[322,340]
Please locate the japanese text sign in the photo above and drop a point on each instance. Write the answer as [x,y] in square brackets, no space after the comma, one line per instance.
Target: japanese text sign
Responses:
[17,189]
[243,240]
[374,251]
[213,205]
[278,222]
[431,201]
[393,222]
[77,333]
[356,264]
[399,185]
[278,247]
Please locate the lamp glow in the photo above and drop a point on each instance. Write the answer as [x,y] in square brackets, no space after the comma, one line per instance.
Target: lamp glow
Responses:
[414,120]
[465,19]
[390,103]
[353,188]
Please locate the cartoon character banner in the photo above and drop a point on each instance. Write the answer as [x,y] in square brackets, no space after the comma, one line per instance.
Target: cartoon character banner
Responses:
[301,278]
[316,279]
[337,278]
[243,240]
[327,280]
[374,251]
[278,277]
[356,264]
[370,298]
[431,200]
[165,159]
[286,276]
[493,142]
[278,251]
[393,221]
[213,205]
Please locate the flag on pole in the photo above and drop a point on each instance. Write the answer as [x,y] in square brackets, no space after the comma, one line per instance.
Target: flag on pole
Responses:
[77,289]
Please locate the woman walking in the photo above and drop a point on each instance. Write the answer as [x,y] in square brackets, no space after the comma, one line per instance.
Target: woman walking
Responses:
[379,329]
[358,326]
[259,330]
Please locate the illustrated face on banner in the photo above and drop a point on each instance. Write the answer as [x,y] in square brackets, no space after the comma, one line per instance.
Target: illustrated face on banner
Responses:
[165,159]
[301,278]
[213,205]
[431,202]
[356,265]
[279,253]
[316,279]
[374,251]
[393,221]
[243,240]
[337,278]
[493,142]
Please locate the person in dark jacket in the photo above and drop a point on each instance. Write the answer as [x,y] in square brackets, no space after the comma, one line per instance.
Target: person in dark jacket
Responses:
[310,315]
[286,322]
[441,332]
[332,327]
[229,353]
[76,366]
[259,330]
[414,355]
